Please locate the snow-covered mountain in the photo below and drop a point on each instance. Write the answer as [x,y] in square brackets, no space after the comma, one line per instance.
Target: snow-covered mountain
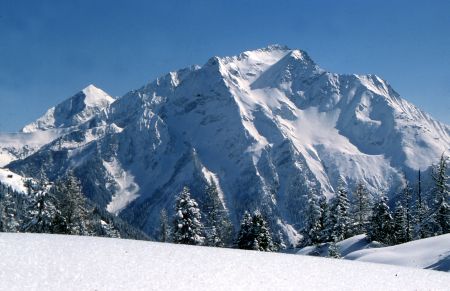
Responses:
[266,126]
[57,121]
[74,111]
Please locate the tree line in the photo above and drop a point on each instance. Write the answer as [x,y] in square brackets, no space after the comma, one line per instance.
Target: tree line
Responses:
[414,216]
[62,208]
[58,208]
[187,226]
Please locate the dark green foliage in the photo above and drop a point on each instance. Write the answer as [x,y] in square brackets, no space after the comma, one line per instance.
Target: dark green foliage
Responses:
[314,226]
[361,209]
[339,214]
[440,210]
[381,224]
[218,227]
[187,226]
[400,224]
[254,233]
[41,209]
[164,229]
[333,250]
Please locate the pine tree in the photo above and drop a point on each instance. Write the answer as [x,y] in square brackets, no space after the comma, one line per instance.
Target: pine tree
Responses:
[9,218]
[420,212]
[324,220]
[408,212]
[361,210]
[333,250]
[400,224]
[245,238]
[312,232]
[254,233]
[381,223]
[261,233]
[164,229]
[440,214]
[218,225]
[73,216]
[187,226]
[101,226]
[41,210]
[339,218]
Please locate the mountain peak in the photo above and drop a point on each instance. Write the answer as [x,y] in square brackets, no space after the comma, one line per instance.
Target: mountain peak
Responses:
[73,111]
[95,96]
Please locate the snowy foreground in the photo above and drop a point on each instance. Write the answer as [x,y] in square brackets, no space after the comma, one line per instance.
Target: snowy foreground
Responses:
[57,262]
[429,253]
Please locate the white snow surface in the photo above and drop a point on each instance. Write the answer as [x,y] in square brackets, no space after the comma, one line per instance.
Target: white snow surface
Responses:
[124,187]
[429,253]
[58,262]
[16,182]
[74,111]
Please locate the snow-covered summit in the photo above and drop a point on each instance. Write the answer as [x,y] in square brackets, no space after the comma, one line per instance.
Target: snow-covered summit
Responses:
[267,125]
[73,111]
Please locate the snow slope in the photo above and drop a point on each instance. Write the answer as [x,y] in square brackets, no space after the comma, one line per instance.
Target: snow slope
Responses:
[74,111]
[347,246]
[430,253]
[16,182]
[57,262]
[265,125]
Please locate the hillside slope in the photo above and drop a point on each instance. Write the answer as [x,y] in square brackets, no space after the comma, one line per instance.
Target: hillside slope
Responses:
[430,253]
[57,262]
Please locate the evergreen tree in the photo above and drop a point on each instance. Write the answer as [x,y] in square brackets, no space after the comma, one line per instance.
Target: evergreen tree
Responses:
[324,220]
[73,216]
[408,212]
[440,214]
[102,226]
[400,224]
[187,226]
[339,218]
[164,229]
[312,232]
[41,210]
[261,233]
[421,227]
[278,242]
[333,250]
[254,233]
[218,225]
[361,210]
[245,239]
[381,223]
[10,216]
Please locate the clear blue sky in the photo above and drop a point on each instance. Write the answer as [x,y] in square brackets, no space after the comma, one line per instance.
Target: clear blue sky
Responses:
[49,50]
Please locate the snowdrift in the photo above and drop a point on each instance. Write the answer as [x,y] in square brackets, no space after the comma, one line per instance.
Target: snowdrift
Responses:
[57,262]
[430,253]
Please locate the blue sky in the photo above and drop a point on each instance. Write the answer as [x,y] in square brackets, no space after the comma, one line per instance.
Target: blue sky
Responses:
[49,50]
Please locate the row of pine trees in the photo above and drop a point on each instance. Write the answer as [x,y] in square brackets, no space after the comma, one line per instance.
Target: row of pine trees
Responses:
[217,231]
[59,208]
[414,217]
[62,208]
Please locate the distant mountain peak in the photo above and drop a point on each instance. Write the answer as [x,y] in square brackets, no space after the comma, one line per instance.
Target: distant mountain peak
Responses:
[73,111]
